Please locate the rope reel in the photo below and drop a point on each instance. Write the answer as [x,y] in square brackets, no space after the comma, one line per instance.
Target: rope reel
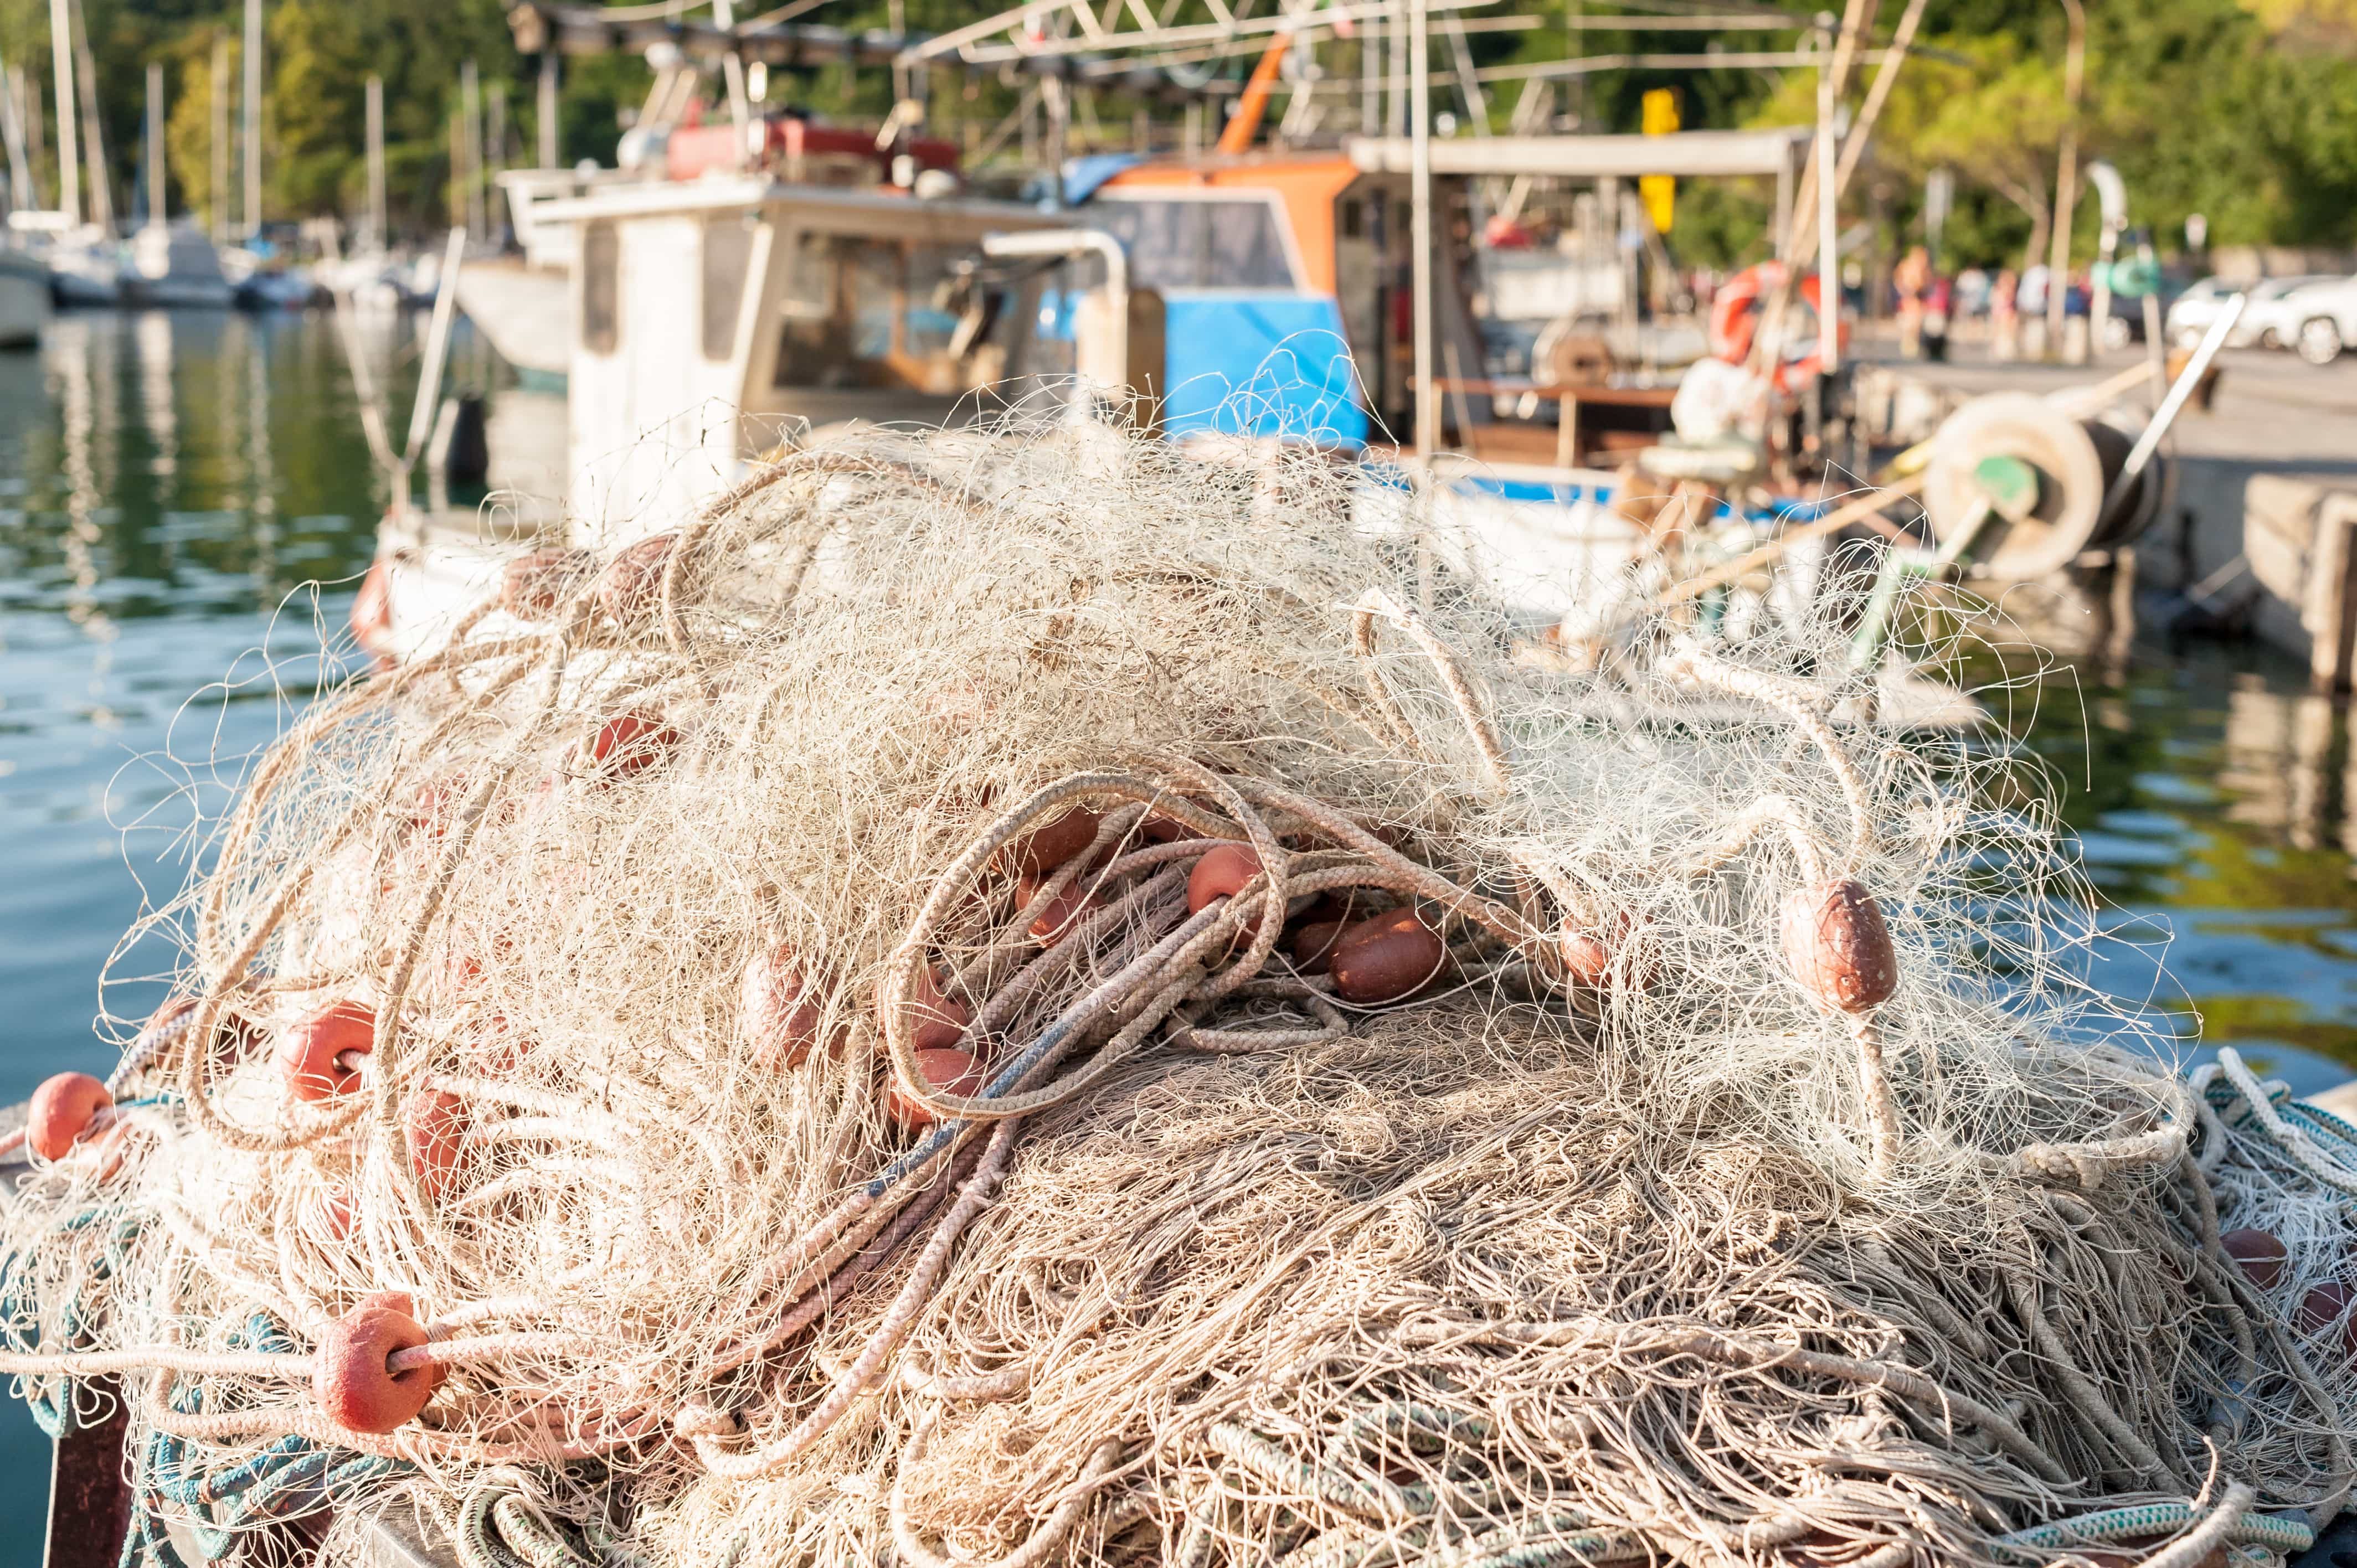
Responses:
[1995,441]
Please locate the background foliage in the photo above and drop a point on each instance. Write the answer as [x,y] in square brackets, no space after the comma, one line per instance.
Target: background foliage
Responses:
[2246,112]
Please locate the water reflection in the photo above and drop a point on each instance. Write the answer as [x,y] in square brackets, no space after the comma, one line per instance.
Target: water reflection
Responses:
[2215,812]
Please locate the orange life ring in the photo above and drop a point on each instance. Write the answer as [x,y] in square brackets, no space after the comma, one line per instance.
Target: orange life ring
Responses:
[1735,320]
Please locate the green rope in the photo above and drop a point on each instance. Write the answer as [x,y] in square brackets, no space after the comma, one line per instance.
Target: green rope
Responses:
[2277,1532]
[1353,1494]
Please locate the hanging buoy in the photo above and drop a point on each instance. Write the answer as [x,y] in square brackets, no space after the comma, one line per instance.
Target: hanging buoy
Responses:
[946,1071]
[936,1020]
[631,582]
[1838,947]
[1053,845]
[535,586]
[61,1111]
[434,1126]
[628,743]
[312,1055]
[1387,957]
[2263,1257]
[349,1375]
[780,1011]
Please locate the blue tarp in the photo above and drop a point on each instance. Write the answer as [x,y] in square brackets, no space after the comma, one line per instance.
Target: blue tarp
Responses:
[1260,364]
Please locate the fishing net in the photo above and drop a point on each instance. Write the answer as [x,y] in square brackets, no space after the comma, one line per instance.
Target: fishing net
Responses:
[1023,995]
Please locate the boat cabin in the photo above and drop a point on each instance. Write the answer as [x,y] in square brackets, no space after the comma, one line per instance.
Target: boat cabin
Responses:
[712,317]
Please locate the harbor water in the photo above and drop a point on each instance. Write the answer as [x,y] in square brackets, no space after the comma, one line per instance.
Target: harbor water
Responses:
[186,503]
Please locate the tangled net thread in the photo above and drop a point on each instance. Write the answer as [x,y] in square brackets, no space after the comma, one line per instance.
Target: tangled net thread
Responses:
[1615,1231]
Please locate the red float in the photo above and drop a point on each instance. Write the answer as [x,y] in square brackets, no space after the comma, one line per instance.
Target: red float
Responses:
[433,1126]
[535,586]
[1387,957]
[308,1053]
[350,1377]
[1220,874]
[61,1111]
[1838,947]
[938,1021]
[1053,845]
[634,581]
[1055,923]
[628,743]
[2263,1257]
[782,1013]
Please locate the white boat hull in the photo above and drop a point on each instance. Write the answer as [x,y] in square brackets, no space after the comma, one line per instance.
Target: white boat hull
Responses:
[1549,545]
[525,311]
[24,299]
[177,293]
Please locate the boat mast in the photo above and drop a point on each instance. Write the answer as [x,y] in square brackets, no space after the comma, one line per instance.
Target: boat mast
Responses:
[69,147]
[548,105]
[1419,131]
[102,189]
[219,202]
[155,204]
[252,117]
[376,234]
[11,121]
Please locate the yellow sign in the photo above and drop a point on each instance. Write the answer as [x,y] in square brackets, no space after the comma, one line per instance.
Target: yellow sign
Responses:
[1660,192]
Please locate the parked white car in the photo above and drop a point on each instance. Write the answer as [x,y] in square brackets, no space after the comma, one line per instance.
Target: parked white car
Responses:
[2274,317]
[2318,321]
[2192,312]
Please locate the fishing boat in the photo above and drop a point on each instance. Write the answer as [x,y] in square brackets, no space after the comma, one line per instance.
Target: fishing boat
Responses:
[175,266]
[805,306]
[1272,291]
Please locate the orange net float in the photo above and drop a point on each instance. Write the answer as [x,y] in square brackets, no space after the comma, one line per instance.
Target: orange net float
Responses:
[1605,955]
[627,745]
[2263,1257]
[311,1056]
[947,1071]
[62,1110]
[938,1021]
[434,1128]
[1041,852]
[1055,921]
[1838,946]
[782,1011]
[536,586]
[351,1377]
[1392,955]
[2324,1306]
[634,579]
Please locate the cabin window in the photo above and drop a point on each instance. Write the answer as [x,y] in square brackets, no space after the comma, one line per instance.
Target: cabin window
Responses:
[1220,242]
[728,257]
[864,312]
[601,268]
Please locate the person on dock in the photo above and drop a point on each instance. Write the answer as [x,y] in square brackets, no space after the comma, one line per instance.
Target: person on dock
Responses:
[1909,278]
